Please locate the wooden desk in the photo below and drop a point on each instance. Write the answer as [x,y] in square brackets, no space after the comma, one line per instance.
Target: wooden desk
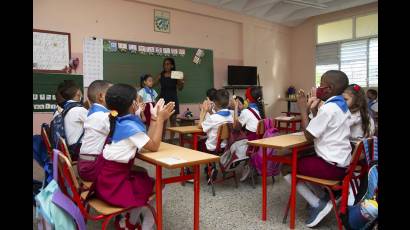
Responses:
[289,141]
[189,158]
[183,130]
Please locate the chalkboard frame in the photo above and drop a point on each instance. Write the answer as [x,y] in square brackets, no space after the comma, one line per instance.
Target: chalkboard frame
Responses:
[69,50]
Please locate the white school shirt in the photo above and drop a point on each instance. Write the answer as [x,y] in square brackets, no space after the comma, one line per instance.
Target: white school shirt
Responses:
[249,120]
[355,123]
[124,150]
[375,106]
[331,130]
[74,122]
[96,129]
[146,97]
[210,126]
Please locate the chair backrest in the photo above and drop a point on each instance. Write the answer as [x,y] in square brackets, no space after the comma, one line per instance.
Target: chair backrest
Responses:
[62,146]
[224,132]
[260,129]
[347,181]
[68,178]
[47,143]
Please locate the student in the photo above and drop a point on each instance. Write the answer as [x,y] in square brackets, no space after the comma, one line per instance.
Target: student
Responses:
[74,118]
[330,132]
[211,124]
[147,95]
[116,183]
[373,103]
[210,97]
[96,129]
[361,123]
[249,118]
[59,100]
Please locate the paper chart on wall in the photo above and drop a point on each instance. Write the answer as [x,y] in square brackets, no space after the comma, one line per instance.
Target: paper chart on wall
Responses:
[93,60]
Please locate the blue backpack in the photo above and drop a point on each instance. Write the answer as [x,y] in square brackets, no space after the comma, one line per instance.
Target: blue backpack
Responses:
[363,214]
[57,130]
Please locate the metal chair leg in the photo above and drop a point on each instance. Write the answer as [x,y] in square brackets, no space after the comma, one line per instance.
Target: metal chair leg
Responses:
[286,212]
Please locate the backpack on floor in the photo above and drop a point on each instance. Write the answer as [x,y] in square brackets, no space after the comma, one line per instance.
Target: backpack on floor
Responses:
[54,210]
[57,130]
[41,157]
[256,157]
[363,214]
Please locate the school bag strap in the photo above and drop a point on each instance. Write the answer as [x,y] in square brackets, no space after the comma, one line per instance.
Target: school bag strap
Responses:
[254,113]
[62,201]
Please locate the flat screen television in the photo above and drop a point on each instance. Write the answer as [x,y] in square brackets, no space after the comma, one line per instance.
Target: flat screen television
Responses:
[242,75]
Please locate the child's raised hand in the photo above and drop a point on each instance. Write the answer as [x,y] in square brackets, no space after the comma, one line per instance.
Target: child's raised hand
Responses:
[154,109]
[141,106]
[301,100]
[164,112]
[205,105]
[311,97]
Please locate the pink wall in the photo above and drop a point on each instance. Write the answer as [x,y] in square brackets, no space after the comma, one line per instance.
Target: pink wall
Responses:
[235,39]
[303,49]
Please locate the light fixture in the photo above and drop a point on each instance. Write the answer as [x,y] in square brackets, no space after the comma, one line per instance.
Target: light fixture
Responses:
[306,3]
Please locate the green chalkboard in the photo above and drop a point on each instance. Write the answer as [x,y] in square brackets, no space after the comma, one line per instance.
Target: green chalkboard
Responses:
[125,66]
[44,88]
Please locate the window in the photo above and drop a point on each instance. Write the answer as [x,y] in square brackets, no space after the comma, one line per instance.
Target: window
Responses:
[358,59]
[356,53]
[367,25]
[335,31]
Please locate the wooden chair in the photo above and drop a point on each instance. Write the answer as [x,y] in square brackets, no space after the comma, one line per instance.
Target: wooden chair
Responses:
[47,142]
[224,132]
[62,146]
[334,185]
[105,211]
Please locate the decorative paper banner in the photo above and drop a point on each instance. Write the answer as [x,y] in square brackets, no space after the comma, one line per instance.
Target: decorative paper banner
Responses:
[150,50]
[142,49]
[122,47]
[166,51]
[200,53]
[174,52]
[181,52]
[158,51]
[132,48]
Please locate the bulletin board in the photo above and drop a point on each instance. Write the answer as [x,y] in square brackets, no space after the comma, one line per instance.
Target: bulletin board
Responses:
[51,51]
[44,88]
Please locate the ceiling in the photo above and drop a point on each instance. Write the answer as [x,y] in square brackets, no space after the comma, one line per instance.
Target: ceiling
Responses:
[285,12]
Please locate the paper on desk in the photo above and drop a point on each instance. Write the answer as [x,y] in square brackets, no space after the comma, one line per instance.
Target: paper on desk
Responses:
[177,75]
[284,118]
[172,160]
[297,134]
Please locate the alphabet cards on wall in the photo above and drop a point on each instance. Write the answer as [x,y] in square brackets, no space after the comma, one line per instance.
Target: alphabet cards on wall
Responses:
[162,21]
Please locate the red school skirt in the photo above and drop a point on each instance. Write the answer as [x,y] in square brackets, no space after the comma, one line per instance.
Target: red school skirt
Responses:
[118,185]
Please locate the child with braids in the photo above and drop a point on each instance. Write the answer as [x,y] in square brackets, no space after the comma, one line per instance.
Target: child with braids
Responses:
[361,123]
[116,183]
[250,117]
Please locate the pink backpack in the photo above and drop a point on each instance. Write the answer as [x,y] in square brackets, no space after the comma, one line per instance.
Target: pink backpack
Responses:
[256,157]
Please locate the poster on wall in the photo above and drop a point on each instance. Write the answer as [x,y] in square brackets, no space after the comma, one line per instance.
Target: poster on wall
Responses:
[162,21]
[93,60]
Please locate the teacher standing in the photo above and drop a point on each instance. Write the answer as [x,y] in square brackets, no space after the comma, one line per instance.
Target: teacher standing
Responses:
[169,88]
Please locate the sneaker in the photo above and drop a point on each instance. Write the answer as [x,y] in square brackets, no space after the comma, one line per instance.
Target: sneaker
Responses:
[245,173]
[317,214]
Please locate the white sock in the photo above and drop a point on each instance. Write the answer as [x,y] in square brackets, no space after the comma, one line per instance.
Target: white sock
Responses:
[305,192]
[316,189]
[134,215]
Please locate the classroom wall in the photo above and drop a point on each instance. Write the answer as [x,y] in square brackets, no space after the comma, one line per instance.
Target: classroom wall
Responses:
[303,44]
[235,39]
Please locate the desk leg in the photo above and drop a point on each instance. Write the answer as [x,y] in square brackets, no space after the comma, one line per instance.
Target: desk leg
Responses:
[195,141]
[181,139]
[158,191]
[293,128]
[293,189]
[196,197]
[264,169]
